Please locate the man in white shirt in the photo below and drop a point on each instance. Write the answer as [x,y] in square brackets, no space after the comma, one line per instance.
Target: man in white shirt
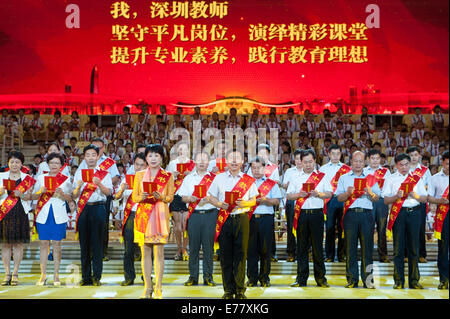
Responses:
[380,209]
[201,223]
[233,238]
[126,192]
[358,222]
[91,222]
[271,169]
[115,175]
[291,174]
[436,189]
[310,222]
[406,224]
[416,157]
[334,208]
[262,227]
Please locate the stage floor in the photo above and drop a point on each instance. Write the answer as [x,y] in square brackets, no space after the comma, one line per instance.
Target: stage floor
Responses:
[173,289]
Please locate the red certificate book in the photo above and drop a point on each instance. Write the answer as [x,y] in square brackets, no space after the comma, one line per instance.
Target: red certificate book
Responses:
[130,180]
[231,198]
[406,188]
[9,184]
[150,187]
[50,183]
[182,167]
[87,175]
[308,187]
[360,184]
[200,190]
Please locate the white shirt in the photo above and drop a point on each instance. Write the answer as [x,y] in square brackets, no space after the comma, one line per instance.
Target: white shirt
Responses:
[112,170]
[225,182]
[97,195]
[59,205]
[392,185]
[274,193]
[187,188]
[330,171]
[312,202]
[291,174]
[438,184]
[26,204]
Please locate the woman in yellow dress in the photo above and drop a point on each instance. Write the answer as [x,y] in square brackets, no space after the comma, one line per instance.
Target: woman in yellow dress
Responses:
[152,225]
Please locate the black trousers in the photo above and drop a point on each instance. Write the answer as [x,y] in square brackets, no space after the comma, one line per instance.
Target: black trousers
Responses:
[443,252]
[260,248]
[333,222]
[106,229]
[129,245]
[406,234]
[380,214]
[310,228]
[291,245]
[91,225]
[201,230]
[233,243]
[359,225]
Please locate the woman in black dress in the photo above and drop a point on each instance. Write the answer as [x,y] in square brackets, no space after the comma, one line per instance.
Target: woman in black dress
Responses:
[14,226]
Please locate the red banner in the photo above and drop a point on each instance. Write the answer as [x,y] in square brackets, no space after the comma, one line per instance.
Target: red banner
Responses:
[263,190]
[334,182]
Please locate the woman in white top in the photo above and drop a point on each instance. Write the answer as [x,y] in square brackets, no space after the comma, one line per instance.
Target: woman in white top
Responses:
[14,226]
[52,219]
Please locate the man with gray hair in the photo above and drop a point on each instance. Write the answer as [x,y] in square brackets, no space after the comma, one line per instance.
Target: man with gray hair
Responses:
[261,226]
[358,221]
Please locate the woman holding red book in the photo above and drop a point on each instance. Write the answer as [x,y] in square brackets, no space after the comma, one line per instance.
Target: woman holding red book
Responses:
[14,208]
[52,191]
[154,190]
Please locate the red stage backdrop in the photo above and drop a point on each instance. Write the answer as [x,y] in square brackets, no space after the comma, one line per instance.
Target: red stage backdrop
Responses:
[199,51]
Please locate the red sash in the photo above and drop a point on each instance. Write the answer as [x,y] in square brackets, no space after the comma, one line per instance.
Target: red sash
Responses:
[441,213]
[207,181]
[397,206]
[106,164]
[242,186]
[11,200]
[179,180]
[269,169]
[88,190]
[145,207]
[126,212]
[263,190]
[315,179]
[334,182]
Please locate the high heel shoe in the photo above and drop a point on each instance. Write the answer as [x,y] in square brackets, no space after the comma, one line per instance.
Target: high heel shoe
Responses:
[147,294]
[185,256]
[41,282]
[158,294]
[14,282]
[6,281]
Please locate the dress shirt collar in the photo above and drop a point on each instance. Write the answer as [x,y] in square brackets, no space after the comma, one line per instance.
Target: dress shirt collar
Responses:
[441,173]
[239,175]
[354,174]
